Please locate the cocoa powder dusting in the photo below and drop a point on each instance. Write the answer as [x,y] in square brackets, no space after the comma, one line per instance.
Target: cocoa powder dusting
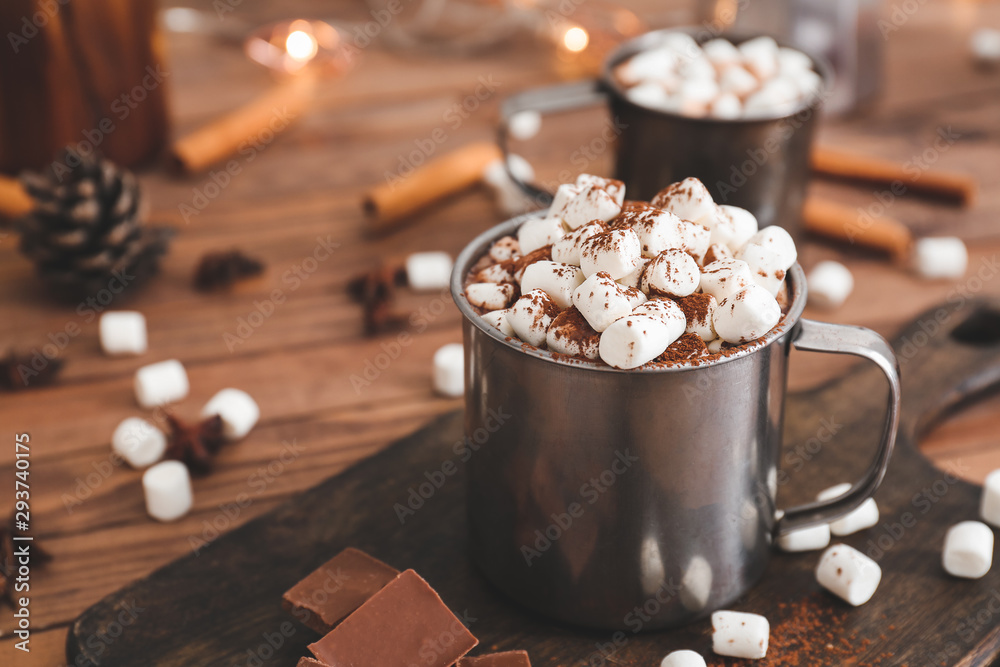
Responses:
[571,325]
[543,253]
[687,348]
[694,307]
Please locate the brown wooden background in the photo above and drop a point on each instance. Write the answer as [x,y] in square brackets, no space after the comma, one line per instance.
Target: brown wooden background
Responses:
[307,185]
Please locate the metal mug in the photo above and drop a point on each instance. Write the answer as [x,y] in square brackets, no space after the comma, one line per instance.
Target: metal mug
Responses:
[760,164]
[595,490]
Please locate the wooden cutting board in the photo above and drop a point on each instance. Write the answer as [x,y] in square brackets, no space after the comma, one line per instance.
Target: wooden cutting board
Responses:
[223,607]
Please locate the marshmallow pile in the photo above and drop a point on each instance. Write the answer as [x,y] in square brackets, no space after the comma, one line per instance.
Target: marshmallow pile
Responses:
[602,278]
[718,79]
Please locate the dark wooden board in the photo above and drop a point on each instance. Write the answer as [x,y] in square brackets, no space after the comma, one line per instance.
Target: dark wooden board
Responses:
[223,605]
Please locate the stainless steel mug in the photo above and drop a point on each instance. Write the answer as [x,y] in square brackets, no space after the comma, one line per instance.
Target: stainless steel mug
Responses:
[593,491]
[760,164]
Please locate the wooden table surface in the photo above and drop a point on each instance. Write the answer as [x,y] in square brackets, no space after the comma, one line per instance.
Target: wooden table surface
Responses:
[302,191]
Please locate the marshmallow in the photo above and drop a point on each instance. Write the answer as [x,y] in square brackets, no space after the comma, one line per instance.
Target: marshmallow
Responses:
[792,61]
[428,270]
[637,339]
[238,410]
[760,56]
[989,505]
[665,309]
[160,383]
[696,69]
[567,249]
[651,95]
[601,301]
[721,53]
[968,550]
[658,230]
[775,98]
[698,92]
[744,225]
[589,204]
[740,635]
[737,81]
[616,252]
[985,44]
[123,332]
[634,279]
[780,241]
[509,196]
[652,65]
[765,266]
[531,315]
[502,272]
[555,279]
[715,346]
[716,251]
[498,320]
[524,125]
[699,310]
[671,273]
[539,232]
[613,187]
[724,277]
[689,200]
[865,516]
[505,248]
[683,659]
[570,334]
[806,539]
[746,315]
[680,43]
[449,370]
[491,296]
[138,442]
[167,487]
[726,106]
[830,283]
[940,258]
[848,574]
[807,82]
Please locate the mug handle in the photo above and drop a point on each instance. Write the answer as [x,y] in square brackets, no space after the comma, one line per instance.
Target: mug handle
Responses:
[842,339]
[550,99]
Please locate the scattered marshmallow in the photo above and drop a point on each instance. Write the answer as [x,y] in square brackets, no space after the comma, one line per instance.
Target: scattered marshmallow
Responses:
[765,266]
[570,334]
[806,539]
[776,96]
[491,296]
[449,370]
[616,252]
[740,635]
[830,283]
[509,196]
[161,383]
[989,505]
[651,65]
[651,95]
[722,53]
[671,273]
[968,550]
[865,516]
[238,410]
[601,301]
[760,56]
[985,44]
[683,659]
[778,240]
[557,280]
[665,309]
[612,186]
[725,277]
[531,315]
[588,204]
[791,61]
[848,574]
[940,258]
[715,346]
[726,106]
[167,487]
[634,279]
[657,230]
[123,332]
[138,442]
[746,315]
[737,81]
[505,248]
[637,339]
[744,225]
[524,125]
[567,249]
[498,320]
[539,232]
[501,272]
[689,200]
[428,270]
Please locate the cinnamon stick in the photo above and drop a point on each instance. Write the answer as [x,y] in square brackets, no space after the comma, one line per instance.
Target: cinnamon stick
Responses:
[843,223]
[249,126]
[389,204]
[945,184]
[14,199]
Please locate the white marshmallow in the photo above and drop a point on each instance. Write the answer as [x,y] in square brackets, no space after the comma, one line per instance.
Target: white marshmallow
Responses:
[848,574]
[780,241]
[589,204]
[746,315]
[564,193]
[968,550]
[738,81]
[702,326]
[613,187]
[740,635]
[989,504]
[726,106]
[138,442]
[555,279]
[428,270]
[496,273]
[568,335]
[940,258]
[760,56]
[698,92]
[683,659]
[765,266]
[505,248]
[498,320]
[697,239]
[985,45]
[651,65]
[665,309]
[865,516]
[830,283]
[634,279]
[681,43]
[160,383]
[744,225]
[167,487]
[637,339]
[793,61]
[524,125]
[689,200]
[716,251]
[449,370]
[673,273]
[807,82]
[509,196]
[601,301]
[724,277]
[721,53]
[238,410]
[531,315]
[123,332]
[714,346]
[567,249]
[806,539]
[539,232]
[777,97]
[616,252]
[651,95]
[491,296]
[658,230]
[696,69]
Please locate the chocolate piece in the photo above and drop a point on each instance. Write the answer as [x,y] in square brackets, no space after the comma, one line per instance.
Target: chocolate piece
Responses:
[335,590]
[404,622]
[309,662]
[505,659]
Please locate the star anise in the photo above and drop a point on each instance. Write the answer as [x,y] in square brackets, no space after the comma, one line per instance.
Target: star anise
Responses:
[221,269]
[21,371]
[194,444]
[8,562]
[376,292]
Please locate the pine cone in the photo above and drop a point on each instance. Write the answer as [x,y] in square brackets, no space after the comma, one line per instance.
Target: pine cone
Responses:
[87,231]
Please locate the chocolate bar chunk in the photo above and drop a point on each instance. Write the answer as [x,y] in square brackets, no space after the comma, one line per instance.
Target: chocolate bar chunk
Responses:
[336,589]
[403,624]
[505,659]
[309,662]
